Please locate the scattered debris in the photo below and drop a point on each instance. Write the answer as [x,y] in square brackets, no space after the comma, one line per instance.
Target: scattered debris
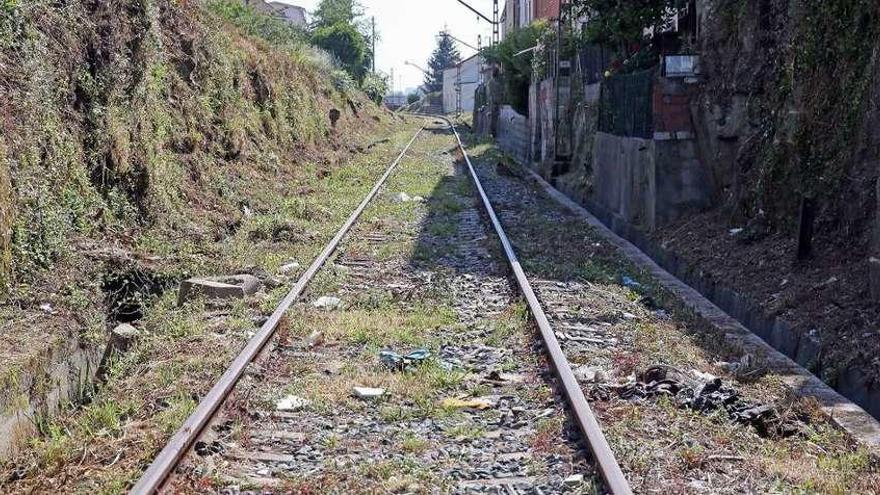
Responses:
[289,268]
[631,283]
[48,308]
[629,316]
[574,480]
[327,302]
[228,287]
[464,403]
[208,448]
[744,367]
[822,285]
[368,392]
[401,197]
[496,377]
[589,340]
[292,403]
[590,374]
[735,231]
[315,338]
[705,393]
[399,362]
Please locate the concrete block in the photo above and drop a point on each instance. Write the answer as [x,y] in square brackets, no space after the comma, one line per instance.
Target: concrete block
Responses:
[228,287]
[809,351]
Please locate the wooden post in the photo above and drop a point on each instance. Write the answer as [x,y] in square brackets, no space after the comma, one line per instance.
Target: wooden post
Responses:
[805,228]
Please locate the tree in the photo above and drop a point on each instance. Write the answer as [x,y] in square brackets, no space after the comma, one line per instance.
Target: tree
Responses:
[347,44]
[517,63]
[619,23]
[445,56]
[339,28]
[330,12]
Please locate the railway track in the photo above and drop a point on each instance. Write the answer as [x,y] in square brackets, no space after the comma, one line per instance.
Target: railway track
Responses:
[497,441]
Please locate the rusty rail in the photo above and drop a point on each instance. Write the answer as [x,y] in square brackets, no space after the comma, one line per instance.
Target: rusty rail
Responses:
[614,479]
[177,447]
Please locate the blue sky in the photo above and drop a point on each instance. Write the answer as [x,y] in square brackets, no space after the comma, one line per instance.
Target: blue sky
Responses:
[408,29]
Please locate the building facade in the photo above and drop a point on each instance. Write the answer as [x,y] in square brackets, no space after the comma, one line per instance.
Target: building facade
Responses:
[291,13]
[546,9]
[460,84]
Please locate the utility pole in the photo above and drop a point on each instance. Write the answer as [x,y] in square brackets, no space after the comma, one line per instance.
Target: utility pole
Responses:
[480,54]
[374,44]
[496,24]
[458,89]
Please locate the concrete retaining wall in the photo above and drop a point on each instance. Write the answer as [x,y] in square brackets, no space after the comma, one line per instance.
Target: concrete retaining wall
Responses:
[648,182]
[513,134]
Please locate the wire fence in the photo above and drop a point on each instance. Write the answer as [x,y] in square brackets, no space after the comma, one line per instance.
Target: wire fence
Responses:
[625,105]
[593,61]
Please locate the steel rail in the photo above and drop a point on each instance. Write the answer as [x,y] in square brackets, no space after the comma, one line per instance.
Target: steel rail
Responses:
[615,481]
[159,470]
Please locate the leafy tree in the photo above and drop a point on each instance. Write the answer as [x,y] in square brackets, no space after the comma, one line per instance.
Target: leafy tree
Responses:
[347,44]
[620,23]
[517,69]
[340,29]
[412,98]
[445,56]
[331,12]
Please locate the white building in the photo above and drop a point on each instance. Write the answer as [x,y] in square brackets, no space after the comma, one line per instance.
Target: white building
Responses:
[459,85]
[290,13]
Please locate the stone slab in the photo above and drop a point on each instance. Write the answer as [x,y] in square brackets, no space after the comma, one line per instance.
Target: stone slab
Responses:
[227,287]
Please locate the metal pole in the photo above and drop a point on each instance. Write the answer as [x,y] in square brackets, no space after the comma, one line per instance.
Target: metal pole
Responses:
[496,28]
[475,11]
[458,89]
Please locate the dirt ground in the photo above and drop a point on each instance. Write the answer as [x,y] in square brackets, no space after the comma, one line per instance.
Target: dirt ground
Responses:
[828,293]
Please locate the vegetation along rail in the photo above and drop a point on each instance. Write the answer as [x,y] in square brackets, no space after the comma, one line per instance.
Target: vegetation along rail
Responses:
[165,469]
[183,439]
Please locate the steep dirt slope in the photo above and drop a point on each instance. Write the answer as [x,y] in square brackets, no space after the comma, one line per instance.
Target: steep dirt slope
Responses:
[142,141]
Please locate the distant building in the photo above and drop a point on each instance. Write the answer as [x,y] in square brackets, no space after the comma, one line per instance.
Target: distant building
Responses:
[546,9]
[291,13]
[517,14]
[460,84]
[395,100]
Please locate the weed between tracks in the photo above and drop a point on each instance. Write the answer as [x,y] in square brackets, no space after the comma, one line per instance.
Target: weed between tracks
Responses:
[396,274]
[663,448]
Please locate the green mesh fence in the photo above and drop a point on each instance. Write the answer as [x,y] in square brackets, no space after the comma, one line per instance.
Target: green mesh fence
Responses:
[625,105]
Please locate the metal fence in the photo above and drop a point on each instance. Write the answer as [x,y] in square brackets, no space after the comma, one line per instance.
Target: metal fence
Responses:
[625,105]
[593,60]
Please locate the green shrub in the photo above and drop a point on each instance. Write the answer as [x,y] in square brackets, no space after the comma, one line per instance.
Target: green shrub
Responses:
[347,44]
[376,87]
[517,69]
[268,27]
